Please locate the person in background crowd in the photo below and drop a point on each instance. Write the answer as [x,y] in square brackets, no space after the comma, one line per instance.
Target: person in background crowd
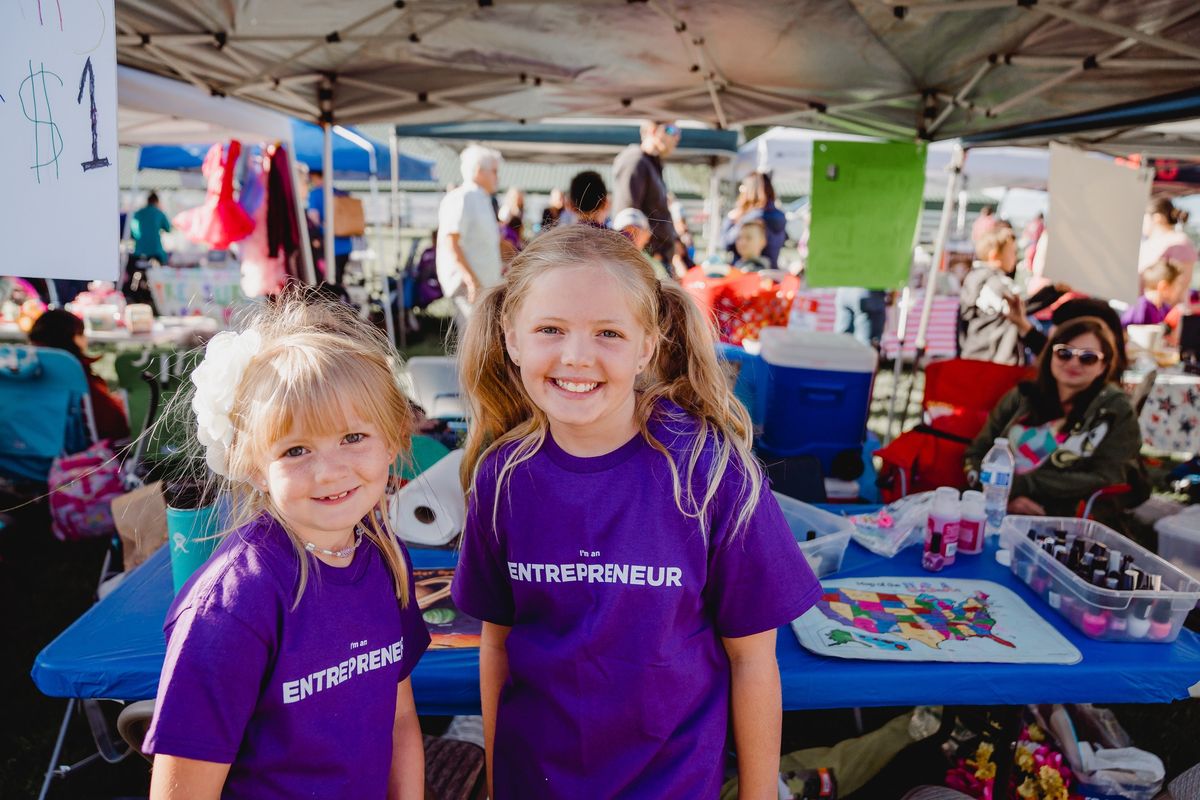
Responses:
[751,239]
[1071,429]
[861,313]
[634,225]
[756,201]
[424,272]
[62,330]
[552,213]
[1030,236]
[1162,288]
[512,221]
[985,331]
[589,199]
[1162,239]
[984,224]
[147,226]
[468,246]
[638,183]
[342,245]
[683,234]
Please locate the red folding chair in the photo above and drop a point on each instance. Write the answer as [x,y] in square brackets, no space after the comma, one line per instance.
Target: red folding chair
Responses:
[959,395]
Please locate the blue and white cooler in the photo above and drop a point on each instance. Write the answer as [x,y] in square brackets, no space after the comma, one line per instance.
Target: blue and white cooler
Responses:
[816,393]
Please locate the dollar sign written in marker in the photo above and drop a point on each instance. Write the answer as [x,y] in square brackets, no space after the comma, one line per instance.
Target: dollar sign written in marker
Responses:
[43,129]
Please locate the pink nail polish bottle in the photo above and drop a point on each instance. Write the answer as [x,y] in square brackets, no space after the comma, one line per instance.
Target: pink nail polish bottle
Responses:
[1094,624]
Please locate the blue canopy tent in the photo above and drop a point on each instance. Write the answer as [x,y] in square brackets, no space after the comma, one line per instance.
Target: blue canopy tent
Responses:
[351,161]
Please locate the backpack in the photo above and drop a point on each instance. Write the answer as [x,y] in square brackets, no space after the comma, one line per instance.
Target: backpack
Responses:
[82,487]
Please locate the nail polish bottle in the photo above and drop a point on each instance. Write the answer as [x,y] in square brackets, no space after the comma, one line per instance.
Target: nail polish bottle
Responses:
[1160,620]
[1094,624]
[932,559]
[1139,619]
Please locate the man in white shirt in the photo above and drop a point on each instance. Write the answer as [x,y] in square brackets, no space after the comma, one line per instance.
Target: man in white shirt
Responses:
[468,245]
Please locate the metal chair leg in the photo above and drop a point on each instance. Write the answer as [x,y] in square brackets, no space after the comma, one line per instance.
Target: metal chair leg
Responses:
[58,745]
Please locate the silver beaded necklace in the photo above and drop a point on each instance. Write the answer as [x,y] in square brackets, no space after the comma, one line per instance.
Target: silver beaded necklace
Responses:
[345,552]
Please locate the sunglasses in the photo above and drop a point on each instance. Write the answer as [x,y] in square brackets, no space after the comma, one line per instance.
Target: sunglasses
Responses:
[1086,357]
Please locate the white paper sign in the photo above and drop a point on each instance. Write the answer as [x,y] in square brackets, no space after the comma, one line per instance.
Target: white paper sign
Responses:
[1094,227]
[59,216]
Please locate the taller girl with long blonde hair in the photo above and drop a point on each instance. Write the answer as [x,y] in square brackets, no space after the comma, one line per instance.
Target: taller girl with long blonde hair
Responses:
[621,547]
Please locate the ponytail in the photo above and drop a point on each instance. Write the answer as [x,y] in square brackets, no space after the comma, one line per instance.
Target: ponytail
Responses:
[686,372]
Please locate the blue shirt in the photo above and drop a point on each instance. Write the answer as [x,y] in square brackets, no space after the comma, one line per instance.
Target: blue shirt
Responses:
[147,224]
[342,245]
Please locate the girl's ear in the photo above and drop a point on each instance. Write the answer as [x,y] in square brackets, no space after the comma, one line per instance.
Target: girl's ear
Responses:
[646,354]
[511,344]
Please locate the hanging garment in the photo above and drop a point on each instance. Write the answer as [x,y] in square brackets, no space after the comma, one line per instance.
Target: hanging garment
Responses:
[220,221]
[262,273]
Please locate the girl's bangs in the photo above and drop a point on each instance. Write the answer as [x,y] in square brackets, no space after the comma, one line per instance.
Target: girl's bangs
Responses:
[318,403]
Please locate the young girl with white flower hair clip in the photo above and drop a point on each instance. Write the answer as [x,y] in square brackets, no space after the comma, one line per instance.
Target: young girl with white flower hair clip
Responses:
[289,651]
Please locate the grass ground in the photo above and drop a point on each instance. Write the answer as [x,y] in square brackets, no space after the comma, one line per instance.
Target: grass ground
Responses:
[45,585]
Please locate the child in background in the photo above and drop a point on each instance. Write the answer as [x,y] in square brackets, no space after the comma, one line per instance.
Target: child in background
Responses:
[628,559]
[1162,289]
[751,239]
[589,198]
[289,651]
[633,224]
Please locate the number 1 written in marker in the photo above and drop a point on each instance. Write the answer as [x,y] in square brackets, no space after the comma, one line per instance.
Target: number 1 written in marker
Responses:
[89,76]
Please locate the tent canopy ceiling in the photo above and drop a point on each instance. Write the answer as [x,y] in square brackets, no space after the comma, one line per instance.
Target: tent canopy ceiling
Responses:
[883,67]
[557,142]
[155,110]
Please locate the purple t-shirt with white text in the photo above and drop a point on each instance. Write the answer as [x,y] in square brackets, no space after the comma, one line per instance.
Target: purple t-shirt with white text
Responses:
[618,680]
[301,702]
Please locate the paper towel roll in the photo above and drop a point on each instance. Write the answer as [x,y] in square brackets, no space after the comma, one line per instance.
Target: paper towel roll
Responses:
[430,509]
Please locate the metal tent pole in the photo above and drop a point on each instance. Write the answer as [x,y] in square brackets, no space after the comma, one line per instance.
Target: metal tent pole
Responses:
[898,362]
[939,251]
[327,222]
[394,215]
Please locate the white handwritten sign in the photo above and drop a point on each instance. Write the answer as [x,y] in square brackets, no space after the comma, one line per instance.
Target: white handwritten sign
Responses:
[58,125]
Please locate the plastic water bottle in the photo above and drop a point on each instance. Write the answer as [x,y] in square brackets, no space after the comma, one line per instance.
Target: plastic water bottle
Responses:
[996,473]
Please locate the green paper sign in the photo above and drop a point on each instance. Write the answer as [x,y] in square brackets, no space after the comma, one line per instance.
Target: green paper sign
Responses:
[866,203]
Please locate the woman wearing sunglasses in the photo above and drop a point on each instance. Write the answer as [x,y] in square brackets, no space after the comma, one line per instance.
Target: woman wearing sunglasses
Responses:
[1072,431]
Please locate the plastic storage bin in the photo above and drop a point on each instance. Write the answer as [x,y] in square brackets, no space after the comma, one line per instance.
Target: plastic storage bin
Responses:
[1179,540]
[816,394]
[748,374]
[830,534]
[1108,614]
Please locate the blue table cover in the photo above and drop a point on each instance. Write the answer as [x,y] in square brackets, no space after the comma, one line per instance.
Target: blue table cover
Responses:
[116,650]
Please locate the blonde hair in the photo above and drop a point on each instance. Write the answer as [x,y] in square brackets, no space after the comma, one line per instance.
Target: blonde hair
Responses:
[683,369]
[1165,269]
[991,244]
[318,363]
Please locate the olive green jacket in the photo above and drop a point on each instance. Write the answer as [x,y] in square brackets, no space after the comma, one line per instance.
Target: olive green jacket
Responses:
[1100,450]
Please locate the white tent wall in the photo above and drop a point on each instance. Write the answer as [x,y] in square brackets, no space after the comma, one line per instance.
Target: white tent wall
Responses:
[152,109]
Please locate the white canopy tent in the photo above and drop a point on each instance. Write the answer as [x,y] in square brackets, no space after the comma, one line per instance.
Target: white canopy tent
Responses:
[157,110]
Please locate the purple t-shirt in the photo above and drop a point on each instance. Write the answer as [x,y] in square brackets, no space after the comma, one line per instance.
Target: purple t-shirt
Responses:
[1143,312]
[618,681]
[301,702]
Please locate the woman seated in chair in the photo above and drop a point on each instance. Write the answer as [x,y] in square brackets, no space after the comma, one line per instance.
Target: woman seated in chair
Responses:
[1071,430]
[62,330]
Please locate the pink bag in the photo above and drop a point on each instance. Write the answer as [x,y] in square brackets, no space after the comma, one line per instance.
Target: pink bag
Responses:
[82,487]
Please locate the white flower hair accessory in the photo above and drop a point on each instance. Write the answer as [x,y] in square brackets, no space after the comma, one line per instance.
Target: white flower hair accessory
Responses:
[216,378]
